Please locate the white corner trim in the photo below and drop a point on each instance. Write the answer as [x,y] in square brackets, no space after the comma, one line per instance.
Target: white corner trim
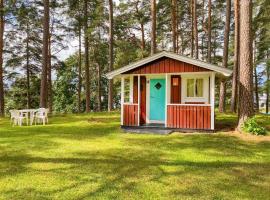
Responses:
[139,99]
[122,99]
[212,88]
[167,80]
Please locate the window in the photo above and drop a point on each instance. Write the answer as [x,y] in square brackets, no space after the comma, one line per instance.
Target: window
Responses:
[195,87]
[127,90]
[175,81]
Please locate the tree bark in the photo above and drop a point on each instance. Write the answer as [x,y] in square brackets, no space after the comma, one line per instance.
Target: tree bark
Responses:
[246,102]
[98,88]
[192,28]
[209,30]
[173,24]
[86,52]
[80,69]
[45,55]
[110,88]
[50,100]
[2,26]
[153,27]
[267,89]
[267,84]
[27,69]
[203,29]
[141,27]
[195,25]
[235,79]
[255,79]
[222,96]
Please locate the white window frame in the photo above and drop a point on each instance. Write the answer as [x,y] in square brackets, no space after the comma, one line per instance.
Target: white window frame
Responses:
[205,97]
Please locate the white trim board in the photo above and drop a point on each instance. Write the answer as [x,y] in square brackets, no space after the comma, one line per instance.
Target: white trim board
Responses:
[221,70]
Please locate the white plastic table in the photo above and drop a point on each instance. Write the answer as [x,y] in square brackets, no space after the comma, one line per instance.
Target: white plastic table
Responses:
[28,113]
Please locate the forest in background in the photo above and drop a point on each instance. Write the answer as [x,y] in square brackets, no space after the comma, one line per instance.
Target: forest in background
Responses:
[111,34]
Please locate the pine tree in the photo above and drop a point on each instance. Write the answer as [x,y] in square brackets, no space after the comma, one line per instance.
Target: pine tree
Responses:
[209,31]
[45,54]
[153,27]
[246,109]
[2,25]
[86,59]
[111,33]
[173,24]
[222,94]
[236,57]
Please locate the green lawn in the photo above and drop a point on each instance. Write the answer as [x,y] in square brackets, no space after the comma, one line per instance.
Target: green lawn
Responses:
[88,157]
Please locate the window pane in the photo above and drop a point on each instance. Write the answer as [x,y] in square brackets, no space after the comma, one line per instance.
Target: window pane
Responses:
[199,87]
[127,90]
[190,87]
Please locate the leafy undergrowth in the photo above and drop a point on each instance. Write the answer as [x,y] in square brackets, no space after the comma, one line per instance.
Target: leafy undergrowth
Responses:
[88,157]
[228,121]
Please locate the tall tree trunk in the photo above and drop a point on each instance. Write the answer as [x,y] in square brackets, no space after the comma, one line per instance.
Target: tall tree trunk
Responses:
[267,84]
[235,79]
[195,24]
[110,88]
[153,31]
[143,37]
[177,26]
[45,55]
[222,94]
[192,28]
[27,69]
[80,69]
[2,26]
[209,30]
[203,34]
[246,103]
[86,53]
[255,79]
[50,100]
[99,88]
[173,24]
[256,89]
[141,26]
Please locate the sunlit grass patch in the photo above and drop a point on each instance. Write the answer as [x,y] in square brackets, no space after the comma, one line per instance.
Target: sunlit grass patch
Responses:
[87,156]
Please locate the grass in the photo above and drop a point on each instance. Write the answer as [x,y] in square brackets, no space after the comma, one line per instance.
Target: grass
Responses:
[88,157]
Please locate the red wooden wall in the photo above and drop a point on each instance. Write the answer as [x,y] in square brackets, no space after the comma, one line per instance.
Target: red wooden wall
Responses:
[166,65]
[189,117]
[130,115]
[143,100]
[135,89]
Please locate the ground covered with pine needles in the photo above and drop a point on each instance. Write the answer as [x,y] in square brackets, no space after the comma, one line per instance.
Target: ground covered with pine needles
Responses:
[89,157]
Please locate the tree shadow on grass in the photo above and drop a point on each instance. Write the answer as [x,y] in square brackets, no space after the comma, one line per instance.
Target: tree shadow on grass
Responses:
[128,170]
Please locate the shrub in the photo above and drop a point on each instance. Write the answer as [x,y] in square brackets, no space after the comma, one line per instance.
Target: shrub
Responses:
[251,126]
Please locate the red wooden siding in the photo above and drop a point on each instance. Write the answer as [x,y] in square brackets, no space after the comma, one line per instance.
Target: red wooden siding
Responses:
[166,65]
[176,90]
[189,117]
[130,115]
[143,100]
[135,89]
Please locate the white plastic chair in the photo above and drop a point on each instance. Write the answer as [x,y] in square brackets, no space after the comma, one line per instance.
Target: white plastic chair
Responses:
[16,117]
[42,116]
[32,116]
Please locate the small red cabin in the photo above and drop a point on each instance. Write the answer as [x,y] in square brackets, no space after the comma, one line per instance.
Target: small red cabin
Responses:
[169,90]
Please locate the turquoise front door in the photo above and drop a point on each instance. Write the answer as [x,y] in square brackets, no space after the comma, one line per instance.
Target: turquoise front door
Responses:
[157,99]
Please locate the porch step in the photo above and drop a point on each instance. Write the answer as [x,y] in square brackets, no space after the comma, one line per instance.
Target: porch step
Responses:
[144,130]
